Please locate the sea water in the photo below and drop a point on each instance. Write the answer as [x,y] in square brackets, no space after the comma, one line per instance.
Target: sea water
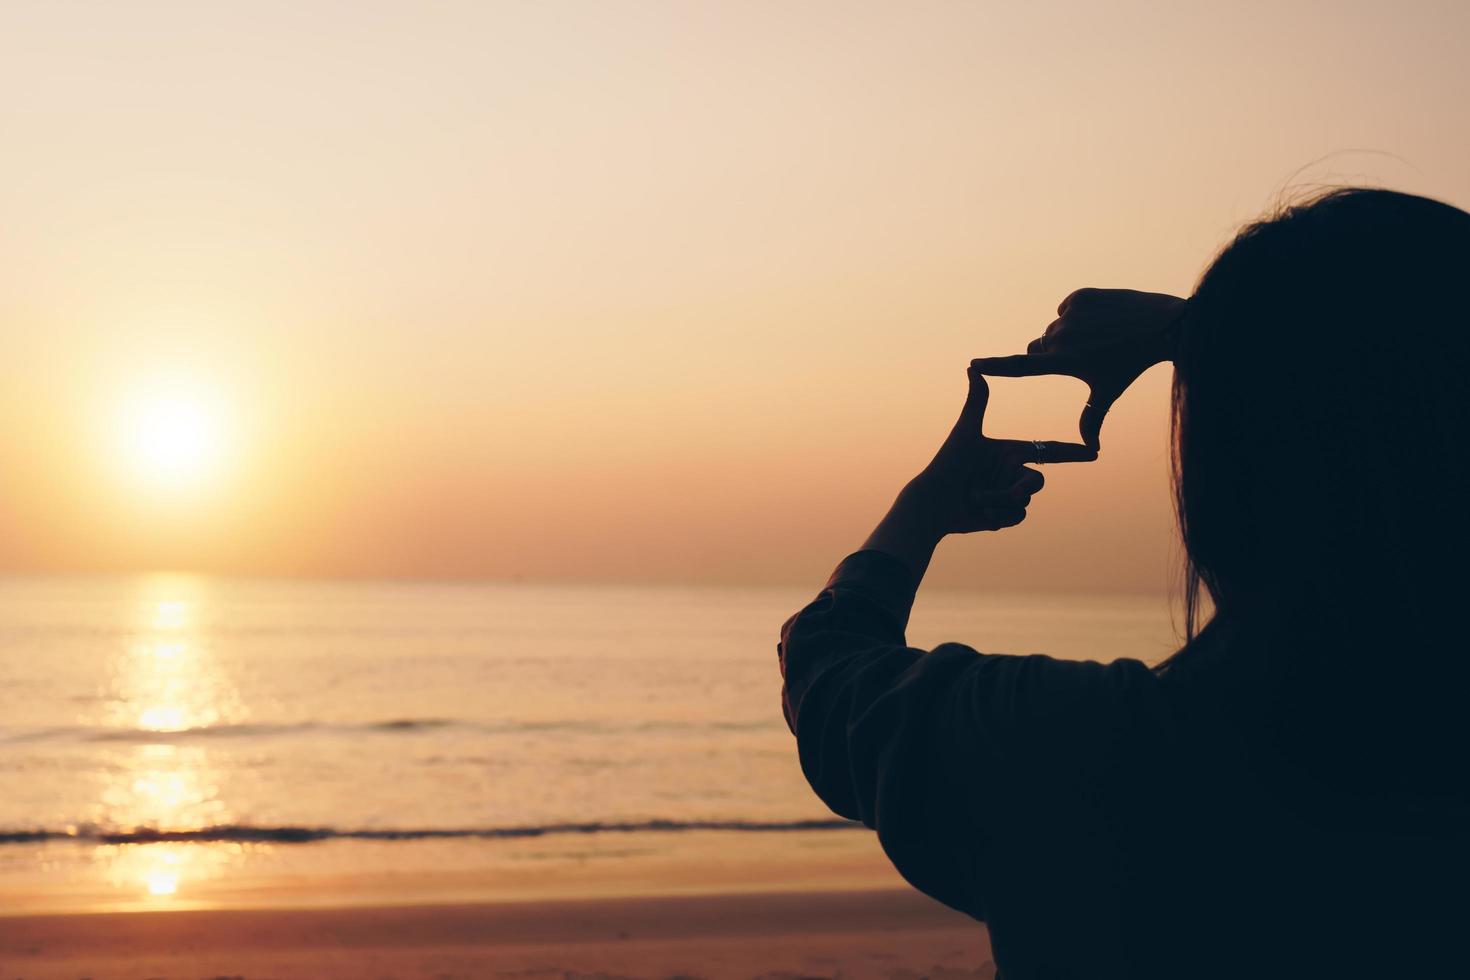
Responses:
[167,737]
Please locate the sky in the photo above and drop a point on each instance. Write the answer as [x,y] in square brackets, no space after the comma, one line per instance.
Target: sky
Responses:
[632,291]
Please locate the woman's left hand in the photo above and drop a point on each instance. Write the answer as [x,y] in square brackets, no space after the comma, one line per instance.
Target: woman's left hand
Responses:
[973,484]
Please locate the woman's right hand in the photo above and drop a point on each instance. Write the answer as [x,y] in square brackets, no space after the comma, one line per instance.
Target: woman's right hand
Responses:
[1105,338]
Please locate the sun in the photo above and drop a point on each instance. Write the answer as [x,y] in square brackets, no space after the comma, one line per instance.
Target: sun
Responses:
[172,436]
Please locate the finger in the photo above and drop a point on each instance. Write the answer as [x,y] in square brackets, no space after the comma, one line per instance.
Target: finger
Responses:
[1012,489]
[1090,425]
[976,398]
[1065,452]
[999,517]
[986,499]
[1047,339]
[1046,451]
[1029,365]
[1028,482]
[1085,293]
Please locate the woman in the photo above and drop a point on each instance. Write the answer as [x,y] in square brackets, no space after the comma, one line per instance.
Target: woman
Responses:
[1289,794]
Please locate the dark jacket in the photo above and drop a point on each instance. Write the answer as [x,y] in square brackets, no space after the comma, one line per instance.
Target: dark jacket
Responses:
[1108,820]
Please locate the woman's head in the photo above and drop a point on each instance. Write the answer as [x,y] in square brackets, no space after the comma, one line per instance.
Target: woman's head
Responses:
[1321,412]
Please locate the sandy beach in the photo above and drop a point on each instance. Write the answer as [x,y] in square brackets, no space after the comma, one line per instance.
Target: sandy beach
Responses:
[887,934]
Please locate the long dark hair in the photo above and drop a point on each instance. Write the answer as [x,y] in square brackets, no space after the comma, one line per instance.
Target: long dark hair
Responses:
[1321,415]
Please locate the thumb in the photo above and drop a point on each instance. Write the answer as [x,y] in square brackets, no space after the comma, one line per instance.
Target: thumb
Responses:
[972,415]
[1093,413]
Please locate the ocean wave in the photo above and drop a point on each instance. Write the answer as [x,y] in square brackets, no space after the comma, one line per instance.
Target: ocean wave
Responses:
[388,726]
[246,833]
[242,730]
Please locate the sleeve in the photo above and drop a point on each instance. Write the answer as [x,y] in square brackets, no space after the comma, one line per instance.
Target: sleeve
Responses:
[939,752]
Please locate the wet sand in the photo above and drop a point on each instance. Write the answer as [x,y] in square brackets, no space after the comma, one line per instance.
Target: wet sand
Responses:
[888,933]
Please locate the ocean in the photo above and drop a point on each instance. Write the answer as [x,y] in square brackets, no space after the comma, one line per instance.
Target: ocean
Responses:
[181,740]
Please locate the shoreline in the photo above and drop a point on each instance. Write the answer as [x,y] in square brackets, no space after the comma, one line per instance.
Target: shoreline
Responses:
[70,877]
[887,933]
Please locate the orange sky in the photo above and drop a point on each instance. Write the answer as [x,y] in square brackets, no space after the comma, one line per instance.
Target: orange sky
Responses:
[662,291]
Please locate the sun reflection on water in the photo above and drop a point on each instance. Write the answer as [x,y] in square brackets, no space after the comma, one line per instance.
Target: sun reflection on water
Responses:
[170,614]
[157,873]
[165,682]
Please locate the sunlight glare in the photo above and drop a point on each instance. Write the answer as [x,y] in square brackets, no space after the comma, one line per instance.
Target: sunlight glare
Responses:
[172,436]
[162,882]
[170,615]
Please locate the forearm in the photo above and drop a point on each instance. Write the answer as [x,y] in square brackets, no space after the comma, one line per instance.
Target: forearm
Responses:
[907,532]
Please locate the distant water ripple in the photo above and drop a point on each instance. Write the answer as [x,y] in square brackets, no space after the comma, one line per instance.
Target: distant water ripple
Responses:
[390,726]
[242,833]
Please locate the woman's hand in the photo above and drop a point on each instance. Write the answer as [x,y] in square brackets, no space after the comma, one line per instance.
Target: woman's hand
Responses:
[1103,337]
[972,484]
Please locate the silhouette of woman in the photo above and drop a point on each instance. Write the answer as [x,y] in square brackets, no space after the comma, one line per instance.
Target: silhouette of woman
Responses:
[1289,794]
